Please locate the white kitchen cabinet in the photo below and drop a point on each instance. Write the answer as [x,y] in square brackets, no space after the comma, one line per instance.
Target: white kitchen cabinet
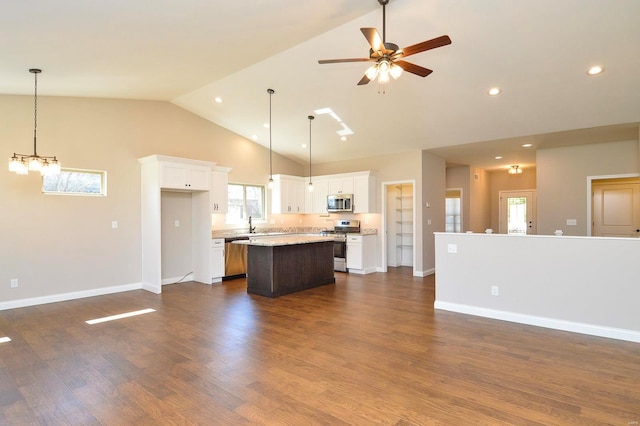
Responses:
[341,185]
[217,260]
[288,194]
[361,253]
[189,177]
[364,194]
[219,189]
[316,201]
[161,174]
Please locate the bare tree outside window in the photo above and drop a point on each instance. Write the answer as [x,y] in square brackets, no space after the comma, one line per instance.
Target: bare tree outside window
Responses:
[76,182]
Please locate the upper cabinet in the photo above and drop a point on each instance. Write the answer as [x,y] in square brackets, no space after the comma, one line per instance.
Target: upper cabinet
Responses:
[219,190]
[364,193]
[339,184]
[287,194]
[316,201]
[184,176]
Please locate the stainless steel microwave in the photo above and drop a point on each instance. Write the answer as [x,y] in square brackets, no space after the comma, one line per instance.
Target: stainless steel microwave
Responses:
[340,203]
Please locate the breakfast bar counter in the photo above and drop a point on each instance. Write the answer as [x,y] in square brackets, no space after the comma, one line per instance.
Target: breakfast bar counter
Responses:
[280,265]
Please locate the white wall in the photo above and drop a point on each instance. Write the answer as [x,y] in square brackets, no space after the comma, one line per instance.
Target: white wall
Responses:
[582,284]
[562,181]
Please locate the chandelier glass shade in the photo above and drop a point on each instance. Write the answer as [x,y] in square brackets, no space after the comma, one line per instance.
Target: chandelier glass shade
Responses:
[23,163]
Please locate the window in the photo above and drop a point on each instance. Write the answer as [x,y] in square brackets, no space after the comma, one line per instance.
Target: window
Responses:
[453,213]
[245,201]
[76,182]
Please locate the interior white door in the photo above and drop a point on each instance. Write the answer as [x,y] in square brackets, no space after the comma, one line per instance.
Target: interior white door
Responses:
[518,212]
[616,208]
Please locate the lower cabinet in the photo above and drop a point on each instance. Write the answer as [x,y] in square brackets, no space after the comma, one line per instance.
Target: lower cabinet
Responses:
[217,260]
[361,253]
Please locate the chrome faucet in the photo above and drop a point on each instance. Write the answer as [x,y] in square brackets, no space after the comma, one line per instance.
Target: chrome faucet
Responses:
[252,229]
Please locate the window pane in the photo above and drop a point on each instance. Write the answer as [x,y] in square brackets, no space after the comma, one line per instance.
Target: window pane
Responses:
[517,215]
[78,182]
[255,204]
[236,201]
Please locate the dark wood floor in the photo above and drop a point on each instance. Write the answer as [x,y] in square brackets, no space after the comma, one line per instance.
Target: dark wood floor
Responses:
[367,350]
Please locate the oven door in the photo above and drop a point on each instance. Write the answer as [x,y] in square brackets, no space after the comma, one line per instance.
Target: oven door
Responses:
[340,256]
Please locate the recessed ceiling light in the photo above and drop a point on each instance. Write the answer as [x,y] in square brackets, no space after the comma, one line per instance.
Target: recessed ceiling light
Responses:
[266,125]
[254,137]
[218,100]
[304,145]
[595,70]
[343,138]
[498,157]
[527,145]
[494,91]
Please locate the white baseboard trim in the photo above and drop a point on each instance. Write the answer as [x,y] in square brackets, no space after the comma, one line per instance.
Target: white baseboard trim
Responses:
[362,271]
[424,273]
[556,324]
[174,280]
[22,303]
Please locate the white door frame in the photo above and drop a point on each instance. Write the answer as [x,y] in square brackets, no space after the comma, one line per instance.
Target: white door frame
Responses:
[384,186]
[590,180]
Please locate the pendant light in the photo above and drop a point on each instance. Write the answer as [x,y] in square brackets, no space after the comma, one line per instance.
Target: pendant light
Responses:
[311,117]
[22,163]
[270,184]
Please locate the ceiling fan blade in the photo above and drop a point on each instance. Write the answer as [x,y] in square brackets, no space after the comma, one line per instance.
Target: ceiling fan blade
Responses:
[413,68]
[372,36]
[426,45]
[335,61]
[364,80]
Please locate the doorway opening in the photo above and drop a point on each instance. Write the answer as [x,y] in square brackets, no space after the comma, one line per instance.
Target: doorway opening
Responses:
[398,223]
[518,212]
[453,210]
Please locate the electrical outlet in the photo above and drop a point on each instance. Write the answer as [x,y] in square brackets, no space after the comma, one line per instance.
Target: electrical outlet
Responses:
[495,290]
[114,224]
[452,248]
[177,223]
[14,282]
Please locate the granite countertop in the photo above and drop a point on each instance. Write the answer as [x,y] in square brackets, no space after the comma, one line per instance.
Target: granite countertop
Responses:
[284,240]
[368,231]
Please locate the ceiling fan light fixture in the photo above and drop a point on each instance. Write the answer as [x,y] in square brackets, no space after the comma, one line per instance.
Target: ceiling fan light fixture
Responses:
[396,71]
[372,72]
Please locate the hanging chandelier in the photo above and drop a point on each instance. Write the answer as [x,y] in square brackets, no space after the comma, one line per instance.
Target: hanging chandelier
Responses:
[515,170]
[311,117]
[23,163]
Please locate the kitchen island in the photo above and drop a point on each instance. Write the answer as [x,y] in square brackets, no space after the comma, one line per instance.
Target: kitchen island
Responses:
[280,265]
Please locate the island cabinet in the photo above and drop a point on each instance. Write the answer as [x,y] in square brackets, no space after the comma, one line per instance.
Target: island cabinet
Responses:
[287,194]
[275,269]
[219,189]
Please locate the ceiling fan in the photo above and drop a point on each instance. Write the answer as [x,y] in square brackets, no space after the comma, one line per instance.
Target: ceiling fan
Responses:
[388,57]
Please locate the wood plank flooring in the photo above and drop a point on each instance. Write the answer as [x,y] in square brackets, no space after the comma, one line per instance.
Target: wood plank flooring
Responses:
[367,350]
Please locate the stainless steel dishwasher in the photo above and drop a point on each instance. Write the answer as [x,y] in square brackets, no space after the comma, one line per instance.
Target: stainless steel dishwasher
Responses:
[235,258]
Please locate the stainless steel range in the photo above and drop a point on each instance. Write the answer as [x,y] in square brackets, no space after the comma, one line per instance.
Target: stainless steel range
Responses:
[339,232]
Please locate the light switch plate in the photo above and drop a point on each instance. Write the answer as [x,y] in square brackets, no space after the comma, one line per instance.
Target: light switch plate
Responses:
[572,222]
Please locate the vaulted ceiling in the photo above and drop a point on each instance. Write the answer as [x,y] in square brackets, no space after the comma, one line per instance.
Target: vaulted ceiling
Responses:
[190,52]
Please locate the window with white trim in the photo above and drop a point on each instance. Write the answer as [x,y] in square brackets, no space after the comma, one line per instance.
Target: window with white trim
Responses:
[245,201]
[76,182]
